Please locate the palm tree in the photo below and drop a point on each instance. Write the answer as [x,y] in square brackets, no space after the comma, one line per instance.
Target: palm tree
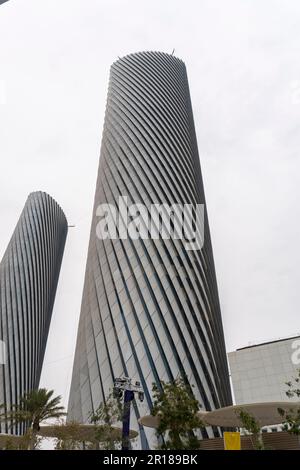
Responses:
[37,406]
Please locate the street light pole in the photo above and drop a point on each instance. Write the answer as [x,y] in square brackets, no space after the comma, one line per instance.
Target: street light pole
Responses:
[126,386]
[128,397]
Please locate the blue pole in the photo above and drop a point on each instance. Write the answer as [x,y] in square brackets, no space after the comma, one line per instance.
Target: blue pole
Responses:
[128,397]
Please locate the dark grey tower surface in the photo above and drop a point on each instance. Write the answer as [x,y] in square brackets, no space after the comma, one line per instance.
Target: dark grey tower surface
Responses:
[150,308]
[3,1]
[29,274]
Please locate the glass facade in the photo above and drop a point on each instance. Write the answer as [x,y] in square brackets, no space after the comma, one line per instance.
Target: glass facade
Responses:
[150,308]
[29,273]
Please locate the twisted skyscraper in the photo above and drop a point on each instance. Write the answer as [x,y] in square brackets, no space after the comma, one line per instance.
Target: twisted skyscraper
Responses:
[150,308]
[29,274]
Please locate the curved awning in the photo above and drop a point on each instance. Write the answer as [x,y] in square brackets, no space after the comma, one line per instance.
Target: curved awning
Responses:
[82,432]
[265,414]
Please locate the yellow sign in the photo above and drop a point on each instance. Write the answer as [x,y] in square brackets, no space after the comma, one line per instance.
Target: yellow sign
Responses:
[232,441]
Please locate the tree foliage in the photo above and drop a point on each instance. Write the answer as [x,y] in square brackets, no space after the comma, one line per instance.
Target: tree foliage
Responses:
[291,418]
[176,407]
[35,407]
[108,414]
[68,436]
[251,425]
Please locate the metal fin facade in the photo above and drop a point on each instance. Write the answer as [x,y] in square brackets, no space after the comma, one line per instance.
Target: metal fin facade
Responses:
[150,309]
[29,274]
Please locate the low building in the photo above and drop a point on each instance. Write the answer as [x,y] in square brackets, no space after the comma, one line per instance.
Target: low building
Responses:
[259,373]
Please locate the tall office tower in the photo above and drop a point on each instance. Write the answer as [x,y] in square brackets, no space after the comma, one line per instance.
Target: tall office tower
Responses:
[150,308]
[29,274]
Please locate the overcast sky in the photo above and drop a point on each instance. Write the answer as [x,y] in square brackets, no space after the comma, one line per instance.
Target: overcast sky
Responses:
[242,58]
